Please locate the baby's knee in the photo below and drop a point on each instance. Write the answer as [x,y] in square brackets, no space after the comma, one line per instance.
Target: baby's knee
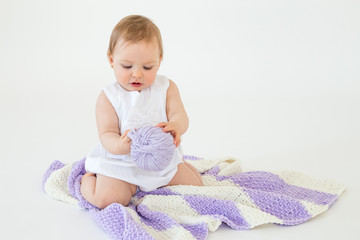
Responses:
[108,199]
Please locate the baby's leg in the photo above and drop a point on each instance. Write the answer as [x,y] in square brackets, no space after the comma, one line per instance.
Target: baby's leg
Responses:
[102,191]
[194,171]
[186,175]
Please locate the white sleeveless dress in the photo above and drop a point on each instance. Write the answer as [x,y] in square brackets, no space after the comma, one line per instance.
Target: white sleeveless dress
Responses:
[135,109]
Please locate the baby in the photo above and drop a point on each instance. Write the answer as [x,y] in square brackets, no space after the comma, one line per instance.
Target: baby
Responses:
[139,97]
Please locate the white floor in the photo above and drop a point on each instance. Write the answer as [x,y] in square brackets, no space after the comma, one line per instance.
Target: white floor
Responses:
[32,142]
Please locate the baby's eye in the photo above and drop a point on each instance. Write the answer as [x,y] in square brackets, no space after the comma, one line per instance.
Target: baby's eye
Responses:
[147,68]
[126,66]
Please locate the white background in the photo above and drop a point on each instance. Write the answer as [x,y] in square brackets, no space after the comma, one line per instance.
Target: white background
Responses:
[275,84]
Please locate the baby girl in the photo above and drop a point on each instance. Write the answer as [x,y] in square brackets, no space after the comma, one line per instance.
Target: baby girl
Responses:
[139,97]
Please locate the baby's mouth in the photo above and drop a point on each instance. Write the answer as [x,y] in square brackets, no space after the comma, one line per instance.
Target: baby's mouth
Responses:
[136,84]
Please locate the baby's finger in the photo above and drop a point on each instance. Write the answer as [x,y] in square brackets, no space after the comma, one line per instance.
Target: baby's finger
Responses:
[125,133]
[126,139]
[168,128]
[175,136]
[177,141]
[161,124]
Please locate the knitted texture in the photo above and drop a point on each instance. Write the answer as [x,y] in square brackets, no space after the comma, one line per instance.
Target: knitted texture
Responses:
[151,148]
[242,200]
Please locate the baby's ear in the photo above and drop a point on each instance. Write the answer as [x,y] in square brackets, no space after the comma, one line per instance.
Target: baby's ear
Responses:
[110,58]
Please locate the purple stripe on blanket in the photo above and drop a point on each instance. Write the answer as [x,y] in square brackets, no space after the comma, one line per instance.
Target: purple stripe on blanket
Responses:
[54,166]
[283,207]
[74,179]
[159,191]
[189,157]
[77,170]
[157,220]
[223,210]
[118,223]
[199,231]
[214,171]
[269,182]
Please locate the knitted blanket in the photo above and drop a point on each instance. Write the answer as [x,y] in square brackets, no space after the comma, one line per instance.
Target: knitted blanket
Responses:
[242,200]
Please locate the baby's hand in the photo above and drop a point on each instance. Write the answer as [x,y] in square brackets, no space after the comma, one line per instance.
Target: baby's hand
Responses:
[125,143]
[173,128]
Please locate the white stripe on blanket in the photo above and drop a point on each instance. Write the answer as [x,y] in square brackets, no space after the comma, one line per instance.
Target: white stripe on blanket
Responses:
[56,185]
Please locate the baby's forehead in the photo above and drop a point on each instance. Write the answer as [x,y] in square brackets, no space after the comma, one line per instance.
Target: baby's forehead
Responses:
[123,42]
[129,46]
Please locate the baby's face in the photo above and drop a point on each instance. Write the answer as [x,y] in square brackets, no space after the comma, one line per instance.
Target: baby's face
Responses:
[135,64]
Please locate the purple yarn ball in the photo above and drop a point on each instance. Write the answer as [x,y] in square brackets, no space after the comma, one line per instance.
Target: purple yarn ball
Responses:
[151,148]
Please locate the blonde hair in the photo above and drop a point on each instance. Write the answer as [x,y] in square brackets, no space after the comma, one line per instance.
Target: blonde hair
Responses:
[135,28]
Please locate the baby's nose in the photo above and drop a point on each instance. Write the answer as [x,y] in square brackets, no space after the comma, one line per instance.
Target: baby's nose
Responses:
[137,73]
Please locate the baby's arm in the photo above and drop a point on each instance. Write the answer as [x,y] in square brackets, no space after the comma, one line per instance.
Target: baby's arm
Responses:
[178,121]
[108,127]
